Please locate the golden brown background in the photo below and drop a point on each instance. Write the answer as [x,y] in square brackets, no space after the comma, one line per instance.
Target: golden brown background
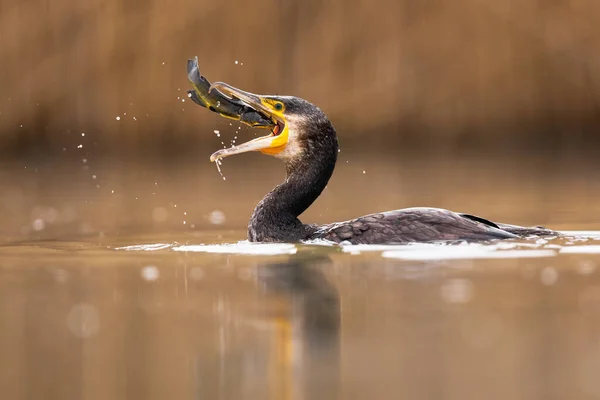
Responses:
[484,106]
[518,73]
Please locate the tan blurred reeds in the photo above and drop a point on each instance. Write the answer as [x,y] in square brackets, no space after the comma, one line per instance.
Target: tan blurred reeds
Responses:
[435,71]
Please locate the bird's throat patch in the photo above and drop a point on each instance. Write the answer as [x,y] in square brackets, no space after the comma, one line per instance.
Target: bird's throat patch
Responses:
[279,142]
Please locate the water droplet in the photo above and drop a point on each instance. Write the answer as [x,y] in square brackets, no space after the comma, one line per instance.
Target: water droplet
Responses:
[218,164]
[118,118]
[236,61]
[80,146]
[549,276]
[586,267]
[82,134]
[150,273]
[83,320]
[216,217]
[38,225]
[458,291]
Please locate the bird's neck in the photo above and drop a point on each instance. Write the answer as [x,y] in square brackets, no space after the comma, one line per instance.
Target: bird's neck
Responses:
[275,218]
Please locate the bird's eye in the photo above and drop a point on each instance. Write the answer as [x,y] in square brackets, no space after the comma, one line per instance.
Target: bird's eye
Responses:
[278,106]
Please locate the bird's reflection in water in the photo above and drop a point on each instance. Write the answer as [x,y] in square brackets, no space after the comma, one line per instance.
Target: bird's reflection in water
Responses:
[314,321]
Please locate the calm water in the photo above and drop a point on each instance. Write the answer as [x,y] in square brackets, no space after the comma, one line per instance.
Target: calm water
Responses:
[129,281]
[120,319]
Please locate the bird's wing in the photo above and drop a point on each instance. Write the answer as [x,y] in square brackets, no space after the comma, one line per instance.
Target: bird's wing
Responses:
[413,225]
[515,229]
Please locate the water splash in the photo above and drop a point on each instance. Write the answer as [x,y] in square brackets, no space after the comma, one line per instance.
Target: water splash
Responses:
[242,248]
[586,249]
[462,253]
[409,252]
[218,164]
[146,247]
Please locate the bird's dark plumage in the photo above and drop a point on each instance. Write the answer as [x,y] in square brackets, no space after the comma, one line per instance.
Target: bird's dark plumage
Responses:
[411,225]
[275,218]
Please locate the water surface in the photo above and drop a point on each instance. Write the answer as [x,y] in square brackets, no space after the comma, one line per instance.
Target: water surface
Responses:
[152,318]
[130,280]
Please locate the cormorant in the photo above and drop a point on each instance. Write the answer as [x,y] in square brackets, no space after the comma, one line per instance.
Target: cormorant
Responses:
[302,137]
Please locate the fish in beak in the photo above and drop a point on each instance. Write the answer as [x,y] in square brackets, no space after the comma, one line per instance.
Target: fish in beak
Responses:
[270,106]
[267,112]
[215,101]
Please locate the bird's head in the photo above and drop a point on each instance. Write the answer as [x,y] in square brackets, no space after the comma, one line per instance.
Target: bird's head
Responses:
[298,128]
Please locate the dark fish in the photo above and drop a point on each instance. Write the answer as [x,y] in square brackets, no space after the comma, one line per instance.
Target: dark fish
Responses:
[215,101]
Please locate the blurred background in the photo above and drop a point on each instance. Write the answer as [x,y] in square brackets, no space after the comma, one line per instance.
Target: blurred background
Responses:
[490,107]
[486,106]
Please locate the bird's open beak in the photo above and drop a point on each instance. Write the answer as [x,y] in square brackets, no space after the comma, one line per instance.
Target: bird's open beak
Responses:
[272,144]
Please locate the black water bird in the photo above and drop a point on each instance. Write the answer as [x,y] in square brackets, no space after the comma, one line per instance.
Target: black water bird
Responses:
[304,138]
